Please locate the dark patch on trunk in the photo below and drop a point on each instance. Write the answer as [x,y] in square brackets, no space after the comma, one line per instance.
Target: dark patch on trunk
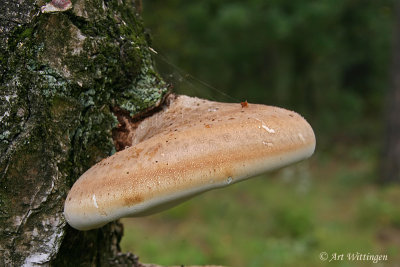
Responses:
[125,131]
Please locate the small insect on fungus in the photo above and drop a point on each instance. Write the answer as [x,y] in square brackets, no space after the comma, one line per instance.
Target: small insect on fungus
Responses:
[244,104]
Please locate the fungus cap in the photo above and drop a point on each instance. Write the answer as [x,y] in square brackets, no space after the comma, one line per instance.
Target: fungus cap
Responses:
[190,147]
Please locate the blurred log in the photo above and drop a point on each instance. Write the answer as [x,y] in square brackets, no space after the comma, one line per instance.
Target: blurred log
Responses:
[391,156]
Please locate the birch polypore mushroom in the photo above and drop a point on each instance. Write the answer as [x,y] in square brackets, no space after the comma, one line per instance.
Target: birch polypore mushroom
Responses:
[191,146]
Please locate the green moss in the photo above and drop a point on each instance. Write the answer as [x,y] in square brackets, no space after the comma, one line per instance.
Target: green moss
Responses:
[26,33]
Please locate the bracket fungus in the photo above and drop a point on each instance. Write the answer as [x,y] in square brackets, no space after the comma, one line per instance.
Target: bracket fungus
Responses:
[189,147]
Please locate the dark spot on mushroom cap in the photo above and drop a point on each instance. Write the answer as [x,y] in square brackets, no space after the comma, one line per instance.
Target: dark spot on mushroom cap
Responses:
[153,150]
[130,200]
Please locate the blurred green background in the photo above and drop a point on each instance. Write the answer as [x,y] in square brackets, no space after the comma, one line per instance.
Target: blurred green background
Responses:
[330,61]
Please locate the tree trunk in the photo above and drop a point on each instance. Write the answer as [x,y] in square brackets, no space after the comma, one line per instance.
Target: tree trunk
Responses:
[391,158]
[64,68]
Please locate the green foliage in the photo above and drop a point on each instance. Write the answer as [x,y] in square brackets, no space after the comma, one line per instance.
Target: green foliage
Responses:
[380,208]
[327,60]
[294,220]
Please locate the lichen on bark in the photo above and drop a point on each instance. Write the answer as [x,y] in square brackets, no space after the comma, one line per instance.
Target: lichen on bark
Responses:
[61,76]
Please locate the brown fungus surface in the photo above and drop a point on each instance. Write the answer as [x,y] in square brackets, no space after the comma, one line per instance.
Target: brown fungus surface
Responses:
[191,146]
